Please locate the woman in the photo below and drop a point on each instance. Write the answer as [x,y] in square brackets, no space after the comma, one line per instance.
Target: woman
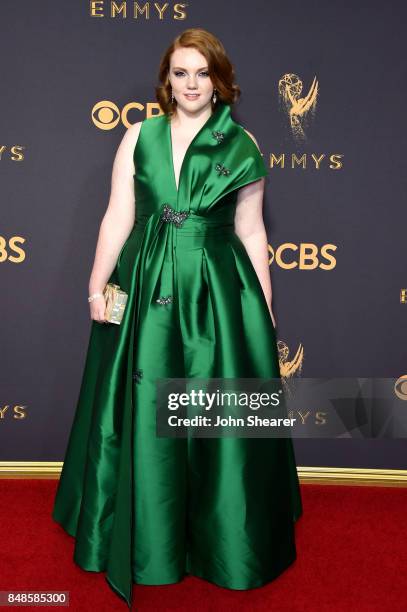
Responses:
[194,263]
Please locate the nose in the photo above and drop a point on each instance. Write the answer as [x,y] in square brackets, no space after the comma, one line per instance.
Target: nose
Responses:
[191,82]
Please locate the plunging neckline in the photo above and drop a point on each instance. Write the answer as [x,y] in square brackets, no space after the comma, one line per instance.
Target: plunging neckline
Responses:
[177,188]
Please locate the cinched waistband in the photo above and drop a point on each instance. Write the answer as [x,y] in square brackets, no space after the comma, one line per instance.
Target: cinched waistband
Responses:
[193,224]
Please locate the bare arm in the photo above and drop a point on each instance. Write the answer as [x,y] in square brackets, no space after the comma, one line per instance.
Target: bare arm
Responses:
[249,226]
[119,217]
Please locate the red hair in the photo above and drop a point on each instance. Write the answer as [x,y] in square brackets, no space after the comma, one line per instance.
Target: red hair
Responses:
[220,69]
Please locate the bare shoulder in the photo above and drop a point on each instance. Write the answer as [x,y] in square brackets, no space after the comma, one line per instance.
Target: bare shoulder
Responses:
[124,154]
[131,135]
[252,137]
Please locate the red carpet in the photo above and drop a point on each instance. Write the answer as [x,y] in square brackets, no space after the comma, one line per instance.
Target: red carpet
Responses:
[351,553]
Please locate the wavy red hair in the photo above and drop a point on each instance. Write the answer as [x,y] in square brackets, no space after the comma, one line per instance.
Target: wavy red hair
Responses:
[220,68]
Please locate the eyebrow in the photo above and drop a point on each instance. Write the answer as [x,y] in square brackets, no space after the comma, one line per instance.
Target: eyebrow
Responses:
[180,68]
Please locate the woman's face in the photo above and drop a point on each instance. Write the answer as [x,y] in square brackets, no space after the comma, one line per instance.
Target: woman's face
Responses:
[189,75]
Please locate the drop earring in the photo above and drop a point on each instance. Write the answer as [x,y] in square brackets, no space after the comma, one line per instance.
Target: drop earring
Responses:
[214,96]
[172,97]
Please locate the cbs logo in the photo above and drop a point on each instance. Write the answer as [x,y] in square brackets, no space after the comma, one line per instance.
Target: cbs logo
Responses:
[106,115]
[400,387]
[6,249]
[306,256]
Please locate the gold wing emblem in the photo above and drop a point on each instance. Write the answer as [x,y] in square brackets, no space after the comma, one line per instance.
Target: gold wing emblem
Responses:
[290,88]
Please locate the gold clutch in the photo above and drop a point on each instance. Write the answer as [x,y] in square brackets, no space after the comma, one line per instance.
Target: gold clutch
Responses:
[116,300]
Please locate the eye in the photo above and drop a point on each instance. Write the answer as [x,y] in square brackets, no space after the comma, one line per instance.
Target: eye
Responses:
[177,73]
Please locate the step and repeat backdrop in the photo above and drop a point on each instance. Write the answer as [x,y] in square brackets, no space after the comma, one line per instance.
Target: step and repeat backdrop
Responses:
[324,93]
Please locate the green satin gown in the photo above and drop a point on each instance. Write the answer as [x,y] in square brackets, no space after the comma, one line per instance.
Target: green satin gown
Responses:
[150,510]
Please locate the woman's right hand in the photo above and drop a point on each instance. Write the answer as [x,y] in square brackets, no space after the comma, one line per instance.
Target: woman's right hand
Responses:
[98,309]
